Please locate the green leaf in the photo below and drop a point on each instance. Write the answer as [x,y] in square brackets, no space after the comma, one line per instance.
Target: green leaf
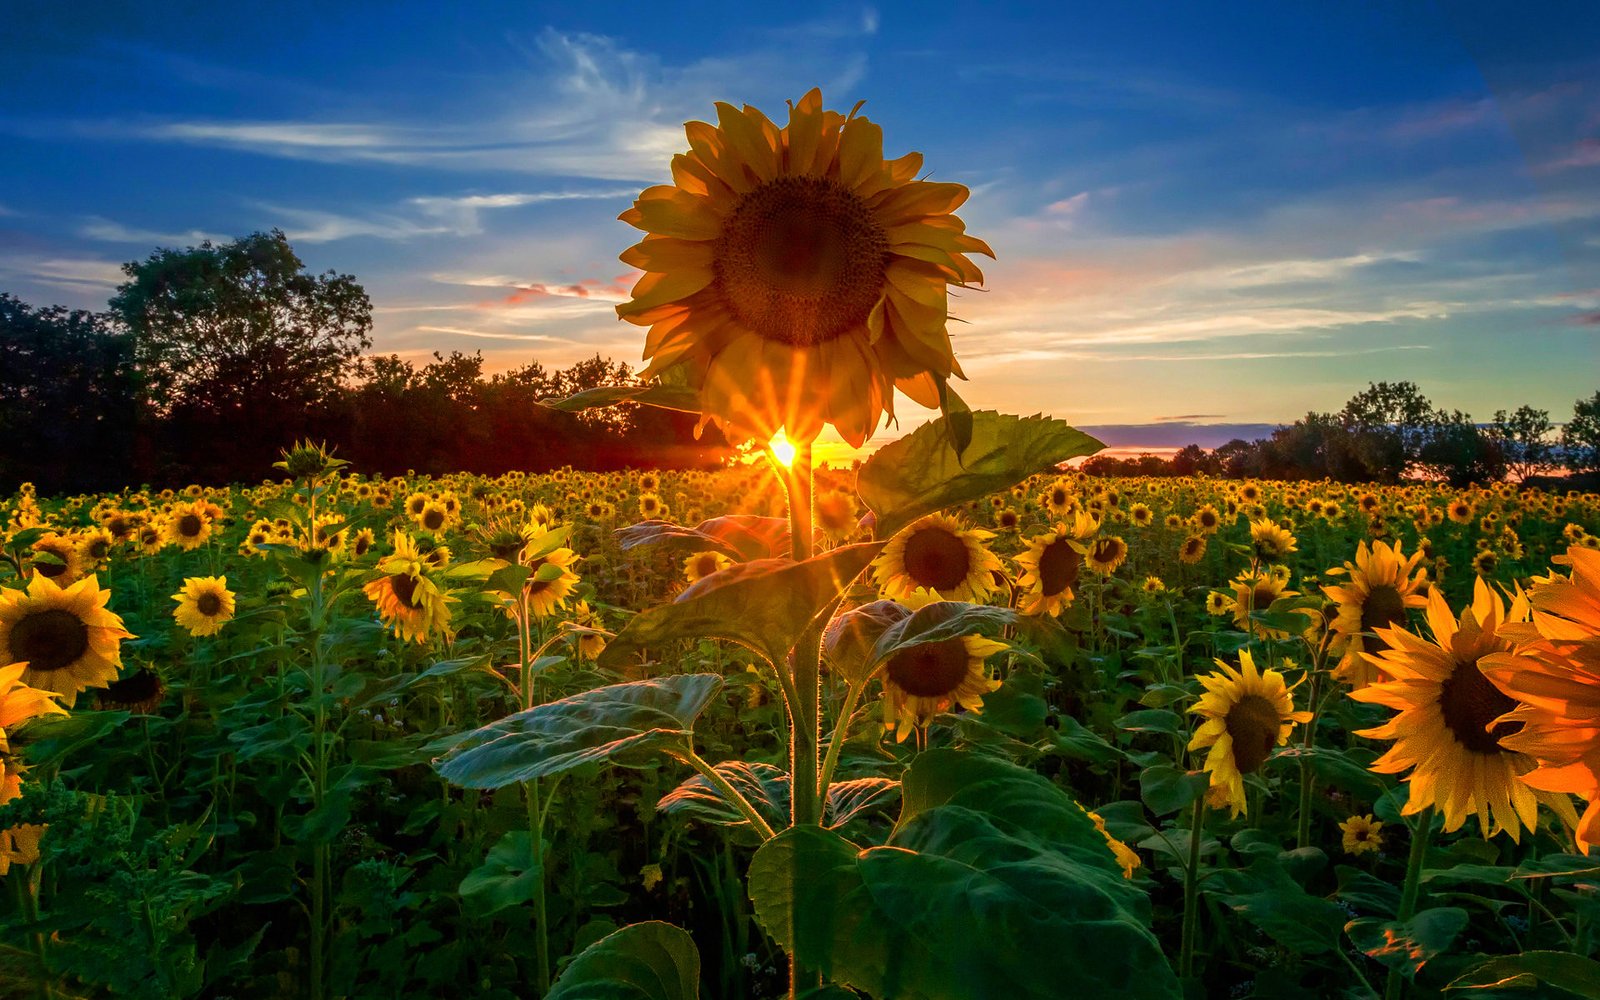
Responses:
[628,724]
[1016,708]
[1266,896]
[1335,767]
[764,786]
[742,536]
[765,605]
[668,397]
[923,472]
[857,797]
[648,961]
[994,883]
[508,877]
[957,417]
[1563,970]
[1152,720]
[937,622]
[1166,789]
[1408,945]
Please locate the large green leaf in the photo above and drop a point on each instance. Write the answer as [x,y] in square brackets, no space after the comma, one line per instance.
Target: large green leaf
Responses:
[1408,945]
[648,961]
[765,605]
[1265,895]
[508,877]
[994,883]
[1563,970]
[764,786]
[923,472]
[937,622]
[623,723]
[742,536]
[668,397]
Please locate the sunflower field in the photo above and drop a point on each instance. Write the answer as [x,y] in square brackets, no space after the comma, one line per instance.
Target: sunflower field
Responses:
[951,722]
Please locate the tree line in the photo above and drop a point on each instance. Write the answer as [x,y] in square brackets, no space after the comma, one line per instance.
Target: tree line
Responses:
[1388,432]
[208,360]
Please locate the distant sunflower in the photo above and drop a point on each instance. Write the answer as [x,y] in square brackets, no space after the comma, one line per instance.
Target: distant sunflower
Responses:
[362,543]
[702,564]
[57,557]
[798,276]
[1362,834]
[187,525]
[590,644]
[204,604]
[434,517]
[1256,590]
[1105,554]
[1246,713]
[1382,584]
[1051,565]
[1450,724]
[552,582]
[66,636]
[1485,563]
[1007,519]
[1208,519]
[1460,511]
[936,553]
[406,599]
[1140,515]
[1270,542]
[923,680]
[837,515]
[1059,499]
[1192,550]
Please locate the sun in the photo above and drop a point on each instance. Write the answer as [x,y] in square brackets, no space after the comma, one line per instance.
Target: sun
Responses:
[782,449]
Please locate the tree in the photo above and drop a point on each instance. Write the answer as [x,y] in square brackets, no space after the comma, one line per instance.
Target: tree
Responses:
[1523,438]
[1389,422]
[238,346]
[1580,438]
[68,399]
[1461,453]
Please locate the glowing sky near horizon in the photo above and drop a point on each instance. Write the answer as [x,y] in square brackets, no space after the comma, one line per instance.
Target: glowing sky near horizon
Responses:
[1204,214]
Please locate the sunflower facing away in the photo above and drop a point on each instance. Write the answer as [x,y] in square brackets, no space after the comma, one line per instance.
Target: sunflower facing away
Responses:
[1382,584]
[936,554]
[1449,726]
[65,635]
[1554,672]
[796,276]
[1247,713]
[204,603]
[406,599]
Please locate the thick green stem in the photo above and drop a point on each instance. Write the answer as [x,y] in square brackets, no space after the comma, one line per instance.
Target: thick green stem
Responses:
[841,730]
[319,785]
[804,659]
[541,933]
[1408,895]
[1307,780]
[1191,890]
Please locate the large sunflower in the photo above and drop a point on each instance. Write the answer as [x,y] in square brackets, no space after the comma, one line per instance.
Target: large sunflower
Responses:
[1247,713]
[406,599]
[921,681]
[1555,673]
[204,604]
[19,702]
[65,635]
[1051,566]
[796,276]
[938,555]
[1449,727]
[1382,584]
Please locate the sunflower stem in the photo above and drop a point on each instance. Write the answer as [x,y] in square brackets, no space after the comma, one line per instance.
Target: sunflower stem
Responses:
[1191,889]
[730,793]
[1303,818]
[1408,896]
[841,730]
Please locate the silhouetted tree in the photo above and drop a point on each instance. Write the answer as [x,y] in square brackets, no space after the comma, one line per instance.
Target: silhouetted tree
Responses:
[1389,422]
[1523,437]
[1460,452]
[1580,438]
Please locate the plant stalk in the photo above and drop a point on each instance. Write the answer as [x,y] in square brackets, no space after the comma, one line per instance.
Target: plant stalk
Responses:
[1395,984]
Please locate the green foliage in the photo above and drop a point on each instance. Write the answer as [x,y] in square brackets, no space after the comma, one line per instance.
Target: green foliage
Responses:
[1571,973]
[923,472]
[648,961]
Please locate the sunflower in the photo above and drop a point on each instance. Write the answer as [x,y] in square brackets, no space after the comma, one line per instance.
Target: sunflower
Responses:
[702,564]
[1382,584]
[797,276]
[935,553]
[65,635]
[415,504]
[19,702]
[1192,550]
[837,515]
[1058,498]
[1105,554]
[1554,672]
[1271,542]
[406,599]
[1362,834]
[1154,585]
[1218,604]
[62,560]
[1126,856]
[1256,590]
[552,581]
[187,526]
[651,507]
[1140,515]
[590,644]
[361,543]
[921,681]
[1449,726]
[94,547]
[1460,511]
[18,844]
[1007,519]
[1485,563]
[1051,565]
[204,603]
[1247,713]
[434,517]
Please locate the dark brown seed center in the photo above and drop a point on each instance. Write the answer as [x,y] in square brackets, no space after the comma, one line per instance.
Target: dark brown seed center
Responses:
[1253,723]
[208,604]
[1383,608]
[49,639]
[1058,567]
[801,260]
[189,525]
[1469,703]
[936,559]
[931,670]
[405,589]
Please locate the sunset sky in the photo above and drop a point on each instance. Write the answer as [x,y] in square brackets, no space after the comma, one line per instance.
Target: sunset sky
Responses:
[1204,213]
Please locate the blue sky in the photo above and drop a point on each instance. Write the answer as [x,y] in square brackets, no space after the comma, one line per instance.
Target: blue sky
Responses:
[1204,213]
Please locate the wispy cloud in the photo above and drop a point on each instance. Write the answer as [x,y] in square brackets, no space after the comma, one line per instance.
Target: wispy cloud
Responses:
[108,231]
[492,334]
[462,213]
[78,274]
[306,225]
